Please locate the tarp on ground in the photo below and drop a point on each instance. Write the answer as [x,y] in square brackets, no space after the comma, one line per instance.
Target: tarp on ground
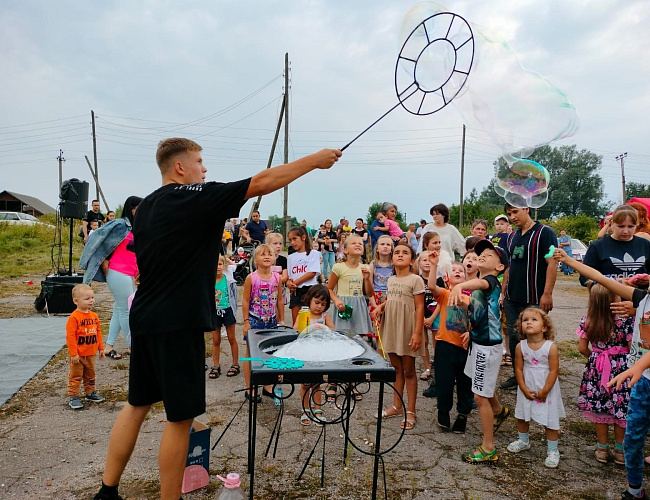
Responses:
[26,346]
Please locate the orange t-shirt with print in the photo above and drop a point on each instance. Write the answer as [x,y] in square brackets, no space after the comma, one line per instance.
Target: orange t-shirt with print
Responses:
[83,333]
[454,320]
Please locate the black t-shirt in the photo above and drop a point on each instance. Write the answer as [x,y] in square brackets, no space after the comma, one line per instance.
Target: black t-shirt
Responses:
[618,259]
[330,246]
[281,261]
[177,235]
[638,295]
[256,230]
[91,216]
[360,232]
[527,271]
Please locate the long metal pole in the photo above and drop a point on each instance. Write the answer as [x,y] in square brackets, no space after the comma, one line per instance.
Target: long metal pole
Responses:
[92,115]
[61,160]
[287,219]
[97,182]
[621,159]
[256,205]
[462,179]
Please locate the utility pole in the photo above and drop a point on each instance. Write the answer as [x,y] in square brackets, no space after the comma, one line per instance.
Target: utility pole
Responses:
[621,159]
[462,178]
[256,204]
[92,116]
[287,219]
[61,160]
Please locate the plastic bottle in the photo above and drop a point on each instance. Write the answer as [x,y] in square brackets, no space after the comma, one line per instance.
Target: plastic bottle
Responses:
[231,488]
[279,393]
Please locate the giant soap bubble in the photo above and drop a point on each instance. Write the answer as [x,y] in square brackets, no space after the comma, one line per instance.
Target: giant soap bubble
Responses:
[519,109]
[319,343]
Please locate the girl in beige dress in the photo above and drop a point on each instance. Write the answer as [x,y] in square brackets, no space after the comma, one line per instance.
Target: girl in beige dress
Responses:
[403,317]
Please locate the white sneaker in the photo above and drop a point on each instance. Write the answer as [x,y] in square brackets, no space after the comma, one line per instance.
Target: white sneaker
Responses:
[552,459]
[519,445]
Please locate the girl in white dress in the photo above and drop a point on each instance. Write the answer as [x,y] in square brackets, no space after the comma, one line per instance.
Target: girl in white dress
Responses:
[537,363]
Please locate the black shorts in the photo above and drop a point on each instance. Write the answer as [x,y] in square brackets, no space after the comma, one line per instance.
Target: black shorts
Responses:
[296,298]
[225,317]
[169,367]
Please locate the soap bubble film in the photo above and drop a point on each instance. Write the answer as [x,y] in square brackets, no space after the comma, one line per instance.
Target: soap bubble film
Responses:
[519,109]
[319,343]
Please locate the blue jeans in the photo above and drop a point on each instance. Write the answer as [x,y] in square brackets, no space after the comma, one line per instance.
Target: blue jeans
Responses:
[328,263]
[512,310]
[258,324]
[638,425]
[121,287]
[566,269]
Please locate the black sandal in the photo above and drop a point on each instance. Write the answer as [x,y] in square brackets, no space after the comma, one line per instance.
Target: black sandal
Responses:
[331,393]
[113,354]
[234,370]
[215,372]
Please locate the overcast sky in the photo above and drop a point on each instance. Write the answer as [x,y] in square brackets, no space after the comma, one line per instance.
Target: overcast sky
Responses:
[212,71]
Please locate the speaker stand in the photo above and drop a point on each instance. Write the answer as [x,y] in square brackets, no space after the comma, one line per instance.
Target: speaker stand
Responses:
[70,253]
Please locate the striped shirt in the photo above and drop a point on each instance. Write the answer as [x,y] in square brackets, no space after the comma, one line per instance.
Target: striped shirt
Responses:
[527,275]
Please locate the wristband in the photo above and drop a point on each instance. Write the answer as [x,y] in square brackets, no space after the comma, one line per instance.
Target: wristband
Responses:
[245,320]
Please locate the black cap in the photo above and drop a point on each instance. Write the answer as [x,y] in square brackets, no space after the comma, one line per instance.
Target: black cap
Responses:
[503,256]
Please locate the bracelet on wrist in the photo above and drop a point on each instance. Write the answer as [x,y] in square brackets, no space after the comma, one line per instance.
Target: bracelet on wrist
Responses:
[245,320]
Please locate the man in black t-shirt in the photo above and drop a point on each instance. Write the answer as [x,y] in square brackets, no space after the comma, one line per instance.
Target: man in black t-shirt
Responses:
[90,216]
[530,279]
[177,235]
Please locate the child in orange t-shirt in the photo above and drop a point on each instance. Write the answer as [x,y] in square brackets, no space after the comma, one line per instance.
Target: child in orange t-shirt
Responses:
[451,355]
[84,339]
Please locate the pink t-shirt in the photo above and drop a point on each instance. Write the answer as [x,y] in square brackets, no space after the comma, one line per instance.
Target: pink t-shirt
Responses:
[123,260]
[393,228]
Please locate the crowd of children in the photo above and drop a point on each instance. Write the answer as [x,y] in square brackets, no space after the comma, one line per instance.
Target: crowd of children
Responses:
[450,314]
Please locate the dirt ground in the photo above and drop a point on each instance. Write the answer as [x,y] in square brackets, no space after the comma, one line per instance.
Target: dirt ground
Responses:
[50,451]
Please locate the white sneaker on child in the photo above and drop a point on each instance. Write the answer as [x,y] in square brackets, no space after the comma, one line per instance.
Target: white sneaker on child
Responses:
[519,445]
[552,459]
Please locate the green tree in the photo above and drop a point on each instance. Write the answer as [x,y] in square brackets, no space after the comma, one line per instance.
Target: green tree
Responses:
[581,226]
[475,207]
[275,223]
[372,215]
[575,184]
[489,196]
[637,190]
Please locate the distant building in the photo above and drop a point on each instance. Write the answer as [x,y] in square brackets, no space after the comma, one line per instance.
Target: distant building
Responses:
[14,202]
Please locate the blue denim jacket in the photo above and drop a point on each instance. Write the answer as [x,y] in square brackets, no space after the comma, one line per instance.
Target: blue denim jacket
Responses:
[100,245]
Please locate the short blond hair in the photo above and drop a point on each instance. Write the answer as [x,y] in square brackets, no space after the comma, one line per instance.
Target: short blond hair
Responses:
[169,148]
[262,249]
[273,236]
[76,291]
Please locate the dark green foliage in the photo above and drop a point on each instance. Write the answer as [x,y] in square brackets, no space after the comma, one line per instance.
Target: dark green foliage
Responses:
[372,214]
[637,190]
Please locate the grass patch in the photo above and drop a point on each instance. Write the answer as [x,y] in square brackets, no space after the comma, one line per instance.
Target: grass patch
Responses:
[27,250]
[581,428]
[569,349]
[120,365]
[113,393]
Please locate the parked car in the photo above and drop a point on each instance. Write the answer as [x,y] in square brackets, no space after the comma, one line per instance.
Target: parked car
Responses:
[19,218]
[578,248]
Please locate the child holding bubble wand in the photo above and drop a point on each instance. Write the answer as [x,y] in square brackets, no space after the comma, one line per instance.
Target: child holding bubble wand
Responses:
[638,410]
[318,300]
[346,286]
[403,320]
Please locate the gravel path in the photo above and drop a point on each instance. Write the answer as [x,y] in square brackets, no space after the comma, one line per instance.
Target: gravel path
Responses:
[49,451]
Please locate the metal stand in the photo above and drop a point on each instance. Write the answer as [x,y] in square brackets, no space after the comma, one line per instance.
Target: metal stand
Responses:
[345,420]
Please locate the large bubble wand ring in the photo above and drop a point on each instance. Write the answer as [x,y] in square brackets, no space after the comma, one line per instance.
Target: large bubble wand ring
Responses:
[435,59]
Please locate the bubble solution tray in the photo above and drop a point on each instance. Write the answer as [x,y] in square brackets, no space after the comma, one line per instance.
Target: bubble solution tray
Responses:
[369,365]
